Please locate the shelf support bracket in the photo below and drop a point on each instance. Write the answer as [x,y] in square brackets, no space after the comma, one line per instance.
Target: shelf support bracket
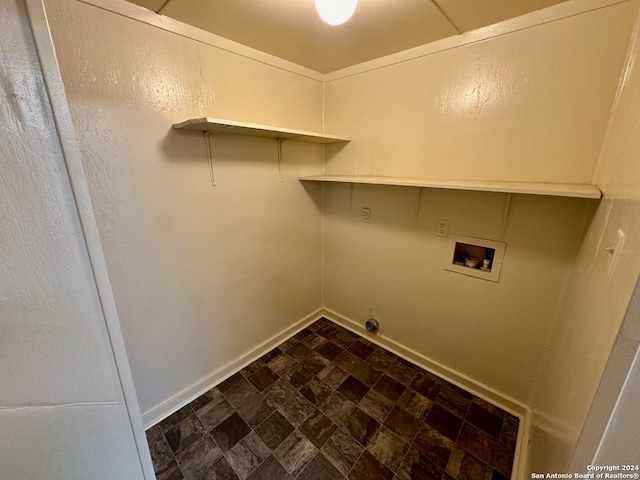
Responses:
[279,150]
[207,141]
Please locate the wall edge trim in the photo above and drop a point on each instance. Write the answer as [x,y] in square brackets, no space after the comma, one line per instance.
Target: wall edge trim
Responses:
[174,403]
[511,405]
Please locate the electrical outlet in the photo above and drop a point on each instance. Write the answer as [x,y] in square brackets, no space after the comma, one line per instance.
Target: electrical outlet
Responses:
[442,229]
[365,215]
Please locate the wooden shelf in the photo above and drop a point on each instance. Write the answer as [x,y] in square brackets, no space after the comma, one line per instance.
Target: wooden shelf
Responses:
[530,188]
[217,125]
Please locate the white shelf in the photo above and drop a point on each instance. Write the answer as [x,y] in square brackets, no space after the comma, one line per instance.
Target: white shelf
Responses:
[217,125]
[531,188]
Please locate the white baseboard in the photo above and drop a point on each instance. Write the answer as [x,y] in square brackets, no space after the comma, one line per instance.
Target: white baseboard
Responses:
[184,397]
[483,391]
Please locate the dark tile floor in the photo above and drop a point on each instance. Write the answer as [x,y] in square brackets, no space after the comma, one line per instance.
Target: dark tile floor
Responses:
[329,405]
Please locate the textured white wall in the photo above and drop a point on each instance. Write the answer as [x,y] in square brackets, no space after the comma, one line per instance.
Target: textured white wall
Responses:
[595,303]
[201,274]
[62,411]
[528,102]
[531,105]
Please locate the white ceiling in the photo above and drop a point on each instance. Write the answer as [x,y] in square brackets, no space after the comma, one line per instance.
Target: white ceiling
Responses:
[291,29]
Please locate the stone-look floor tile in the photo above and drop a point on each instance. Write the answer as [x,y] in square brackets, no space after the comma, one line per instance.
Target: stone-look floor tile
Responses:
[220,471]
[161,453]
[315,341]
[214,413]
[496,476]
[240,392]
[288,344]
[297,376]
[333,375]
[278,393]
[509,433]
[245,456]
[262,378]
[274,430]
[344,339]
[205,398]
[455,461]
[281,363]
[444,421]
[402,373]
[270,470]
[249,403]
[328,331]
[473,469]
[342,451]
[315,391]
[358,368]
[381,360]
[479,443]
[230,382]
[369,468]
[503,460]
[185,433]
[434,446]
[485,420]
[491,408]
[256,410]
[360,349]
[361,426]
[320,469]
[175,418]
[451,400]
[299,351]
[315,363]
[417,466]
[390,388]
[252,368]
[329,351]
[426,386]
[387,447]
[318,428]
[198,457]
[295,452]
[414,403]
[459,390]
[170,471]
[337,408]
[402,424]
[230,432]
[303,334]
[296,409]
[271,355]
[376,405]
[353,389]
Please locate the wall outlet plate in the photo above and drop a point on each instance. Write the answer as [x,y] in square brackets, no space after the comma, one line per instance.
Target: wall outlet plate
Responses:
[365,214]
[442,228]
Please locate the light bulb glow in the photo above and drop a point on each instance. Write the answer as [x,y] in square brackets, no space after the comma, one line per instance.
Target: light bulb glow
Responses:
[336,12]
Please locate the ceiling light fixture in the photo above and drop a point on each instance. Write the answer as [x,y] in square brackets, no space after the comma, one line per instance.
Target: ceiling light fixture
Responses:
[336,12]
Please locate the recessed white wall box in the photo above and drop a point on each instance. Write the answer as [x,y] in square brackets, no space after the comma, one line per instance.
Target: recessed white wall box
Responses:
[475,257]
